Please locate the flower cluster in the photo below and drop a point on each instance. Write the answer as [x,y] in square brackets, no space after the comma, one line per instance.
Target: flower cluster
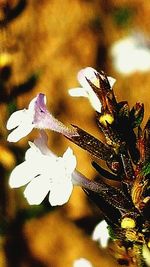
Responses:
[42,171]
[126,152]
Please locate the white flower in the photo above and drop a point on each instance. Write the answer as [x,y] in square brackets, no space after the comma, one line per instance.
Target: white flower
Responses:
[23,121]
[131,54]
[82,263]
[42,171]
[86,90]
[101,234]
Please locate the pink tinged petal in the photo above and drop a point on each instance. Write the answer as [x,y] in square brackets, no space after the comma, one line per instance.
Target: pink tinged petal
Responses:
[16,118]
[60,192]
[41,143]
[22,174]
[40,106]
[78,92]
[37,190]
[44,120]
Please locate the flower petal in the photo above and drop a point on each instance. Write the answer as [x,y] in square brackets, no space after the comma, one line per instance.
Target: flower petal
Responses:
[60,193]
[111,81]
[23,120]
[37,190]
[88,73]
[32,104]
[77,92]
[32,153]
[69,160]
[95,102]
[21,131]
[22,174]
[101,233]
[15,119]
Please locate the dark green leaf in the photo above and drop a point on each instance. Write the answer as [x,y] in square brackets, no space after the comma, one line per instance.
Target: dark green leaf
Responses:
[146,169]
[136,115]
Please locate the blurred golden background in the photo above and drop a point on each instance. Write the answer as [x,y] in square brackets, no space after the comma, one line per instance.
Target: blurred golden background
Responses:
[43,44]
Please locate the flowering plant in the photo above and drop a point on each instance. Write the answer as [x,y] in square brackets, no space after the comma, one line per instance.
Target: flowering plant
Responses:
[126,151]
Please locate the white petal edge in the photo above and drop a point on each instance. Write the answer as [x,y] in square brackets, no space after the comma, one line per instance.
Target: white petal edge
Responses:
[101,234]
[111,81]
[33,153]
[22,174]
[37,190]
[88,73]
[60,193]
[69,160]
[15,119]
[20,132]
[95,102]
[77,92]
[32,104]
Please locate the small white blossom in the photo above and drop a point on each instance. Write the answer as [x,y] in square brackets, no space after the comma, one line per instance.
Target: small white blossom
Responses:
[86,90]
[131,54]
[101,234]
[82,263]
[23,121]
[43,172]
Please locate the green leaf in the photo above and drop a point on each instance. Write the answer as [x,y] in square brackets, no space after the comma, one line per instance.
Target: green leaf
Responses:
[137,114]
[146,169]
